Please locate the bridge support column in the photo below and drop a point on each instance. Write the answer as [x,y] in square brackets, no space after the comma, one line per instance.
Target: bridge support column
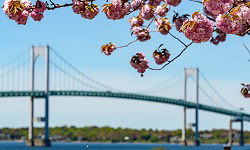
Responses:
[35,52]
[30,141]
[230,140]
[184,140]
[241,133]
[194,72]
[197,141]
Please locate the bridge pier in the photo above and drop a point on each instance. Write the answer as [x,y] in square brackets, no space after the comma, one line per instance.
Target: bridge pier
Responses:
[194,72]
[230,142]
[30,141]
[242,133]
[35,52]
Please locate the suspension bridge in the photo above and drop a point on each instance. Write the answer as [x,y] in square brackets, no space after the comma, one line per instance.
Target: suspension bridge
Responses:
[17,79]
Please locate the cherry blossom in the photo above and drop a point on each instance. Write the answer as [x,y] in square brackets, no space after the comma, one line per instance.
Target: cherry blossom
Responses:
[198,29]
[107,49]
[137,4]
[87,10]
[173,2]
[17,10]
[139,62]
[143,35]
[116,9]
[161,57]
[179,20]
[161,10]
[163,25]
[136,21]
[147,12]
[217,7]
[229,23]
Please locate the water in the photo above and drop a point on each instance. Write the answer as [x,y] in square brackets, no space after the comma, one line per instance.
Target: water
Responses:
[111,146]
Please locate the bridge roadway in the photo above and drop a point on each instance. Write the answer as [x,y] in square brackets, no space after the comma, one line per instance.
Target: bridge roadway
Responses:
[179,102]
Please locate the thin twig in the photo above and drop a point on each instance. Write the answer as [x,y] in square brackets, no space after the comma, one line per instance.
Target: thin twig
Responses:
[197,1]
[59,6]
[127,44]
[151,21]
[246,48]
[177,39]
[173,58]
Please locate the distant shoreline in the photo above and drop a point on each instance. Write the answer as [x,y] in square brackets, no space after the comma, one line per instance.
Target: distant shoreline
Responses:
[91,142]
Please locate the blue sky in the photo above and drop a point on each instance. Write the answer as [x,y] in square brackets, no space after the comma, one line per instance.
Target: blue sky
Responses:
[79,41]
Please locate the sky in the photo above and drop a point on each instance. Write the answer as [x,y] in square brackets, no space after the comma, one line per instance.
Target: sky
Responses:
[79,40]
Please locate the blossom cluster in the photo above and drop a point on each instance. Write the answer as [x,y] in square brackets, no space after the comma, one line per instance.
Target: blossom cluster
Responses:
[139,62]
[244,90]
[87,10]
[229,16]
[229,23]
[217,7]
[179,20]
[163,25]
[20,10]
[198,29]
[161,56]
[117,9]
[136,24]
[221,37]
[107,49]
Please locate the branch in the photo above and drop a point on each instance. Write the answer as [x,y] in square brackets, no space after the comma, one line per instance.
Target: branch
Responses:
[173,58]
[127,44]
[177,39]
[246,48]
[54,6]
[197,1]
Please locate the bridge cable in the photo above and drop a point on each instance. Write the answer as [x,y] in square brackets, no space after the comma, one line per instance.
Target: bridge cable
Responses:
[217,93]
[71,76]
[78,71]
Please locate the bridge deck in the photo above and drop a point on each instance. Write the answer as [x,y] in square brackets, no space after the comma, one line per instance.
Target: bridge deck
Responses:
[131,96]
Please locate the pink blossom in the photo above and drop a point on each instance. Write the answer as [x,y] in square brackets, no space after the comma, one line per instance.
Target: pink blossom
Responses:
[215,41]
[87,10]
[139,62]
[161,10]
[163,25]
[37,16]
[136,29]
[221,37]
[90,12]
[116,9]
[107,49]
[244,90]
[179,22]
[40,7]
[147,12]
[229,23]
[154,2]
[243,11]
[143,35]
[198,29]
[217,7]
[173,2]
[209,13]
[136,21]
[161,57]
[17,10]
[137,4]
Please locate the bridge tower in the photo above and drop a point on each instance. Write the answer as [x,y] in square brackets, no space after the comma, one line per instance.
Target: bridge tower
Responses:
[191,72]
[37,51]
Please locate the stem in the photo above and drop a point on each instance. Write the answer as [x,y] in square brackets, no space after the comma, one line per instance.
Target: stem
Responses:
[177,39]
[127,44]
[197,1]
[173,58]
